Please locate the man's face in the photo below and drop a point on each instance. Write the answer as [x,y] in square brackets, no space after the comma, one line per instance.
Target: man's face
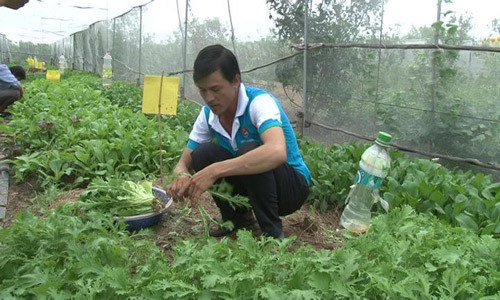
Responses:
[218,93]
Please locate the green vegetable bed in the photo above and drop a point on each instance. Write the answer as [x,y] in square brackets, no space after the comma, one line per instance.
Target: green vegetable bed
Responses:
[439,240]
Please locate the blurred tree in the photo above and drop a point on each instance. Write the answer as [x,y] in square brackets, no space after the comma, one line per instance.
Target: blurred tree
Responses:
[125,51]
[331,72]
[22,50]
[208,32]
[462,88]
[495,25]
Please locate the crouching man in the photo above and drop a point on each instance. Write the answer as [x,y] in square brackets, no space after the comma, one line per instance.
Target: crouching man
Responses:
[11,88]
[241,136]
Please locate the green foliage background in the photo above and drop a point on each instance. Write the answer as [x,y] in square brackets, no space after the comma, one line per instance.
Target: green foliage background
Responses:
[408,253]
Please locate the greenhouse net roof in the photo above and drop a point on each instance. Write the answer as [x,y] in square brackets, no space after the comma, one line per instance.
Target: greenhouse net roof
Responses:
[48,21]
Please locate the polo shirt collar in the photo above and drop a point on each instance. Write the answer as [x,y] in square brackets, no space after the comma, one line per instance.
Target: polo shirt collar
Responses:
[213,119]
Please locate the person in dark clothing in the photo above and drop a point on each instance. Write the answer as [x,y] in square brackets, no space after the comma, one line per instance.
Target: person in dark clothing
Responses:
[243,137]
[11,88]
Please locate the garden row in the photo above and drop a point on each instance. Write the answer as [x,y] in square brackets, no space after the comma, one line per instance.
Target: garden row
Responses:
[71,132]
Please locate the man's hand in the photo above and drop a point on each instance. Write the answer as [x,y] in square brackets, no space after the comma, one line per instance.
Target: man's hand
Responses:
[177,188]
[186,186]
[21,90]
[201,181]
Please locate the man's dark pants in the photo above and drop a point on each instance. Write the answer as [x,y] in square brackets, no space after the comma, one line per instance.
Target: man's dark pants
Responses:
[272,194]
[7,97]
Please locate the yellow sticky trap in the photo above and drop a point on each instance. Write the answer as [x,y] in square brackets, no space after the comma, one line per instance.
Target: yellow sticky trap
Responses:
[151,95]
[31,62]
[53,75]
[39,65]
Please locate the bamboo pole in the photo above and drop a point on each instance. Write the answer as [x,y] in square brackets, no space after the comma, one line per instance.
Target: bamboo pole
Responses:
[159,129]
[140,48]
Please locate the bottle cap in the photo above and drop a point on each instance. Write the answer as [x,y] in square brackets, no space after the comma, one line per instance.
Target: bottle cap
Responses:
[383,139]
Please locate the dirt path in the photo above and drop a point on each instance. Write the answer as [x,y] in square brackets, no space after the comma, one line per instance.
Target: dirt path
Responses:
[309,227]
[20,196]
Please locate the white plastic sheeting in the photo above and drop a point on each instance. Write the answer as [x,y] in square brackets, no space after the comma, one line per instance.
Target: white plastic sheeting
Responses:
[47,21]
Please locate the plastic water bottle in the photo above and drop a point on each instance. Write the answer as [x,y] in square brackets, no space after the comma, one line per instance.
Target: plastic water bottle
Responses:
[373,168]
[62,64]
[107,70]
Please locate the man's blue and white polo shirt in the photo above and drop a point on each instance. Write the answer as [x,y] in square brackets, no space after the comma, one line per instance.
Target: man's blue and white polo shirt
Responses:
[257,111]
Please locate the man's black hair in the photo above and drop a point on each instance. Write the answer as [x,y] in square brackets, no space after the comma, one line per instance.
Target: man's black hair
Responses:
[213,58]
[18,72]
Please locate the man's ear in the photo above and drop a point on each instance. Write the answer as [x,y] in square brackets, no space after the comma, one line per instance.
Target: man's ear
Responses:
[237,79]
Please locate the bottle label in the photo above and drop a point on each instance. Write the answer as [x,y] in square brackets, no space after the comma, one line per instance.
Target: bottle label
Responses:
[368,180]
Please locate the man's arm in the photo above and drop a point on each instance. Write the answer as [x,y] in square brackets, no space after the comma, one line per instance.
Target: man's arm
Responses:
[268,156]
[21,89]
[184,163]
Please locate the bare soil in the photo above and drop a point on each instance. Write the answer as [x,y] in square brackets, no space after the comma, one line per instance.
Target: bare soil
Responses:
[309,227]
[20,197]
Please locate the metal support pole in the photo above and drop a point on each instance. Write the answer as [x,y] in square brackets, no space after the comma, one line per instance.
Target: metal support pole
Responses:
[184,56]
[114,34]
[304,82]
[379,60]
[2,49]
[107,25]
[8,55]
[434,59]
[434,79]
[74,52]
[140,47]
[232,28]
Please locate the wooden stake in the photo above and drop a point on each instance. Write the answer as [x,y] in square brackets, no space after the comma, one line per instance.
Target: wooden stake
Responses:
[159,130]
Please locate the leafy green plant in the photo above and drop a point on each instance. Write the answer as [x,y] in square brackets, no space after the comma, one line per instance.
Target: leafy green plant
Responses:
[460,198]
[333,170]
[120,197]
[70,133]
[65,256]
[224,191]
[403,255]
